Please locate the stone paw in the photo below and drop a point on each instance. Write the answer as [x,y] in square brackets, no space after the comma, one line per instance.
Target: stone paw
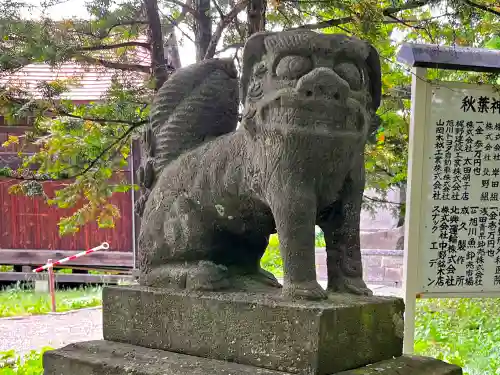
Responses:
[207,276]
[309,290]
[268,278]
[194,276]
[352,285]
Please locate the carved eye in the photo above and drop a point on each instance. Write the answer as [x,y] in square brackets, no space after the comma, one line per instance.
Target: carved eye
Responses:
[351,74]
[293,66]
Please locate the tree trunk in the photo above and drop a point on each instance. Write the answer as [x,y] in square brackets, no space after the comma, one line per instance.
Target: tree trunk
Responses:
[203,28]
[171,48]
[256,16]
[158,65]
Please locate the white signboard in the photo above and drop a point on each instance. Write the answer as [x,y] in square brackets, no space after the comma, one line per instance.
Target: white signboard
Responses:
[459,248]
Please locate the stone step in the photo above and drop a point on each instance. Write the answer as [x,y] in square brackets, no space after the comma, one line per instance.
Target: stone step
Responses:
[111,358]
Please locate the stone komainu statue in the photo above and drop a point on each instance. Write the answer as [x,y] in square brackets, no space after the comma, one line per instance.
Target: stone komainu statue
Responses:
[213,194]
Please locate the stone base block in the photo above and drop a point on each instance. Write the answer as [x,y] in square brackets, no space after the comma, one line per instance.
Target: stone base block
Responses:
[110,358]
[262,330]
[408,365]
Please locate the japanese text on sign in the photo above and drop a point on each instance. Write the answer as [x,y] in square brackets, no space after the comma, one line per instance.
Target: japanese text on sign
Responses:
[461,208]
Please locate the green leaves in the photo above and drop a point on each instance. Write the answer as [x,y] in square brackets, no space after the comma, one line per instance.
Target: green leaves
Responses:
[493,43]
[29,364]
[460,331]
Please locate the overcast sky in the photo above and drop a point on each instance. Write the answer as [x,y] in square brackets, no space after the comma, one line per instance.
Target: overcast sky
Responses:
[76,8]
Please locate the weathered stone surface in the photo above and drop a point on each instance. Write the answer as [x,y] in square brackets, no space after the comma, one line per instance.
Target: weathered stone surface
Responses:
[110,358]
[214,193]
[303,337]
[407,365]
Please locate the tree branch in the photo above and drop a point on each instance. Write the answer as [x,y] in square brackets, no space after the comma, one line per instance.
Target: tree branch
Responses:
[223,23]
[237,24]
[414,4]
[234,45]
[388,12]
[481,6]
[113,65]
[383,170]
[327,23]
[219,10]
[114,46]
[185,7]
[180,17]
[58,111]
[127,23]
[62,112]
[102,34]
[382,201]
[91,165]
[174,23]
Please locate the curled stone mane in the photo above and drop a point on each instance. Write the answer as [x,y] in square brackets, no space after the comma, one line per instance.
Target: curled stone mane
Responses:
[197,103]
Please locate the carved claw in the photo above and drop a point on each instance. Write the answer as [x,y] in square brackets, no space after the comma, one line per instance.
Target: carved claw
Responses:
[352,285]
[310,290]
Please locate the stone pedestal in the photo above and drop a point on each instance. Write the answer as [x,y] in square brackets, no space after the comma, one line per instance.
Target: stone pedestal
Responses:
[152,332]
[256,329]
[111,358]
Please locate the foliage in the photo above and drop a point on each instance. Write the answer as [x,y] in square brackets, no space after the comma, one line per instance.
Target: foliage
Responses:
[85,145]
[29,364]
[272,262]
[460,331]
[23,301]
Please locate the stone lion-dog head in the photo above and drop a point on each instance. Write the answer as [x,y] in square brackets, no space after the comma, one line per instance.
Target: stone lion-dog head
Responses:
[323,84]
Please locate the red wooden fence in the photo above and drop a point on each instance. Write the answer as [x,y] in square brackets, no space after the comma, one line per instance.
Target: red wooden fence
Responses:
[29,223]
[28,226]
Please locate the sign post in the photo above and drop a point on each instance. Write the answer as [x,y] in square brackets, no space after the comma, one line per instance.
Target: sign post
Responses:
[452,228]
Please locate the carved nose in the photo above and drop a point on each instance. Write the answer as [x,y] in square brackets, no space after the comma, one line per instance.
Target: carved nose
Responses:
[323,82]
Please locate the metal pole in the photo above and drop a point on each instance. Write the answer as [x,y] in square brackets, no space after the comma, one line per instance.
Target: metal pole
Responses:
[52,286]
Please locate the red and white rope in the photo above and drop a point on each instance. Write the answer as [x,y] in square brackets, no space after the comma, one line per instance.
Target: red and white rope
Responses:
[103,246]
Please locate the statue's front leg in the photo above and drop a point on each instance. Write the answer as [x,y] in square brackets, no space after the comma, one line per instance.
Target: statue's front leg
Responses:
[341,231]
[295,215]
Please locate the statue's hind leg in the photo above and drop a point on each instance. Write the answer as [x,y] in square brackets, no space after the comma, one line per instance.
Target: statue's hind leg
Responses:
[175,248]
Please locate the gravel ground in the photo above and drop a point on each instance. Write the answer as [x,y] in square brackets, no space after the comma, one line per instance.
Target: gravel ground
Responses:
[56,330]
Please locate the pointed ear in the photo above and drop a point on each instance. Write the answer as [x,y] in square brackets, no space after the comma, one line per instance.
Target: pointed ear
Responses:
[375,74]
[252,53]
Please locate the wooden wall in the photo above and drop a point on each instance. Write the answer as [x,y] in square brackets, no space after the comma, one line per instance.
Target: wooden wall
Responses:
[29,224]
